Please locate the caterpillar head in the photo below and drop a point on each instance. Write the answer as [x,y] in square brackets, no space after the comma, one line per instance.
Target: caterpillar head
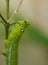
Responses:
[21,26]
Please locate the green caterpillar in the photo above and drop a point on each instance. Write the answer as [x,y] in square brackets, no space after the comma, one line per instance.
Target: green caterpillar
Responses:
[11,50]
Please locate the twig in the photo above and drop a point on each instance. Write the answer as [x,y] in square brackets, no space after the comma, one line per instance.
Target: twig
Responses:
[7,9]
[5,21]
[15,12]
[14,23]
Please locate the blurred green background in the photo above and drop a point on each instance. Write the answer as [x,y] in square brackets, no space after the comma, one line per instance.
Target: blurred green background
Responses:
[32,45]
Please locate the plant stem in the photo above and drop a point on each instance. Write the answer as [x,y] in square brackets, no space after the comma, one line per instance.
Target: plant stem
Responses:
[6,30]
[7,24]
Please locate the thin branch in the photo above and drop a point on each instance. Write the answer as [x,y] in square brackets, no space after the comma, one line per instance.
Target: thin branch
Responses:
[14,23]
[7,9]
[5,21]
[16,10]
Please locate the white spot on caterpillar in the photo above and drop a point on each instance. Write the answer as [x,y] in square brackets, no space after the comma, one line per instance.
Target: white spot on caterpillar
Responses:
[22,30]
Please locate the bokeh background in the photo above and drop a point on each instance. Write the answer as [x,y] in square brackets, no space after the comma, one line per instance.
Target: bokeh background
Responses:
[32,45]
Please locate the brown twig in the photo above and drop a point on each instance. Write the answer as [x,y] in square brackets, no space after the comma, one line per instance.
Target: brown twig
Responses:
[15,12]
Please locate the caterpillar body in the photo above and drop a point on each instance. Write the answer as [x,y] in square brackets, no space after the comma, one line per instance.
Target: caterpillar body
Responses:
[12,42]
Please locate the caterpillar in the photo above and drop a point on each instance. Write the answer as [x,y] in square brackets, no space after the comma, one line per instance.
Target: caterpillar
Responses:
[11,49]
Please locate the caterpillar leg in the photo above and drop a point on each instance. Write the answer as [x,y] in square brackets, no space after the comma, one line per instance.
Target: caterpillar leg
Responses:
[5,52]
[2,53]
